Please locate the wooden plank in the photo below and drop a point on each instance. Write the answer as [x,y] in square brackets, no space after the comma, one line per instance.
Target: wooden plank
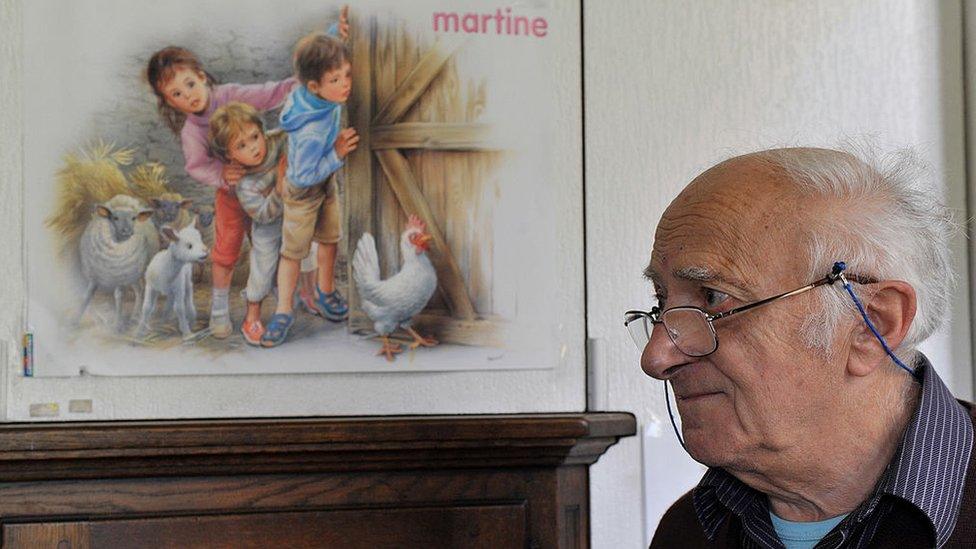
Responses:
[495,524]
[481,332]
[408,193]
[416,82]
[388,223]
[359,184]
[434,136]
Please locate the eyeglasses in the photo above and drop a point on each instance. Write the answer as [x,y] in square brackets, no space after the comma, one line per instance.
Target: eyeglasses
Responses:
[692,329]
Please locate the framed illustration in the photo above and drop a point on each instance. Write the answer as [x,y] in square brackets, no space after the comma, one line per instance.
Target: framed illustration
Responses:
[260,188]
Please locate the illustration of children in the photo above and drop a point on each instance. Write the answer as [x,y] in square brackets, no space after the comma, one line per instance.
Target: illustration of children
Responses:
[237,137]
[316,149]
[187,97]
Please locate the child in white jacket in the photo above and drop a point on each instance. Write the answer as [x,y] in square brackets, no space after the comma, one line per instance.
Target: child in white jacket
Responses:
[237,135]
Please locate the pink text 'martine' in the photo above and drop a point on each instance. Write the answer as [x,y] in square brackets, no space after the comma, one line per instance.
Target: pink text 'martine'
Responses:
[486,23]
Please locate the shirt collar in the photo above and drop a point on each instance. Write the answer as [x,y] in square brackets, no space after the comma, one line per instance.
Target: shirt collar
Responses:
[928,469]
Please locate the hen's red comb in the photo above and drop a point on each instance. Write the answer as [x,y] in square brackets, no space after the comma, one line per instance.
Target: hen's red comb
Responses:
[414,222]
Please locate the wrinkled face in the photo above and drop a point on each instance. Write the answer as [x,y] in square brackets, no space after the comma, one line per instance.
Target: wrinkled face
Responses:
[187,91]
[731,238]
[334,85]
[248,148]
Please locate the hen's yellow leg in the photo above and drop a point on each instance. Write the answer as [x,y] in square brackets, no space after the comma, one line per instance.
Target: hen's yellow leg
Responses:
[419,340]
[389,349]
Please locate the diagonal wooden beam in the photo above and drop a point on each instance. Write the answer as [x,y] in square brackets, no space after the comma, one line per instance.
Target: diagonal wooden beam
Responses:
[416,82]
[408,193]
[434,136]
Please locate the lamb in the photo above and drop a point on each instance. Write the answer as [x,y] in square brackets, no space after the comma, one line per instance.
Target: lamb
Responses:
[114,250]
[170,274]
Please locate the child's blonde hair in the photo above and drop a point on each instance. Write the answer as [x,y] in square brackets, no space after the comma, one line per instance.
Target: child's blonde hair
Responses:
[229,121]
[316,54]
[162,66]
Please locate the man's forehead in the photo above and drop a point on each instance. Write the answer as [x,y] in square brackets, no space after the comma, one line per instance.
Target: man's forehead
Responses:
[728,223]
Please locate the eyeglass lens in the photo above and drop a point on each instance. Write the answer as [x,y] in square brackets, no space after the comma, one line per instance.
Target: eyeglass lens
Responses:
[689,331]
[687,328]
[639,326]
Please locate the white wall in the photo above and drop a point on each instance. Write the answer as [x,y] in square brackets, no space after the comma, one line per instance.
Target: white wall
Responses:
[671,87]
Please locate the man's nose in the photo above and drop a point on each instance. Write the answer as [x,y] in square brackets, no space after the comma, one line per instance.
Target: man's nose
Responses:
[660,355]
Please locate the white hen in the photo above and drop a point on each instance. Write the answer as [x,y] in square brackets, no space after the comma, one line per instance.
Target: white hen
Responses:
[393,302]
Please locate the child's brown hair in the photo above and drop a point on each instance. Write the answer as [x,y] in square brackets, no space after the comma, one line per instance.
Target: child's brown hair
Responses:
[162,66]
[229,121]
[316,54]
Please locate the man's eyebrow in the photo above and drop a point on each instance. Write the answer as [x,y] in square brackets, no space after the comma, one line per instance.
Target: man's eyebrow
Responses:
[695,274]
[704,274]
[650,274]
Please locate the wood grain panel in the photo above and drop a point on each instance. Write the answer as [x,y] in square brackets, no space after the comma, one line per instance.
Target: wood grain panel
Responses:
[476,526]
[438,481]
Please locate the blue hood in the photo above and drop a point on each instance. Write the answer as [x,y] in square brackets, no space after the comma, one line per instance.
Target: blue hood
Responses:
[304,107]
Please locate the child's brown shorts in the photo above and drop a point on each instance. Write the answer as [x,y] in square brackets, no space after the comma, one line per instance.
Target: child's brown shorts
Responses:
[311,213]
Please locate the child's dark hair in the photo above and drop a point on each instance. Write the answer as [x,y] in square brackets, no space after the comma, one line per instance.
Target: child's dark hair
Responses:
[316,54]
[162,66]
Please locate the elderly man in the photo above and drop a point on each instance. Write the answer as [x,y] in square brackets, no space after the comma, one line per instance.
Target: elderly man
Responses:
[813,434]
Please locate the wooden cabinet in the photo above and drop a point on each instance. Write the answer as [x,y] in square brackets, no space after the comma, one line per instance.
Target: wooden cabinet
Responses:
[425,481]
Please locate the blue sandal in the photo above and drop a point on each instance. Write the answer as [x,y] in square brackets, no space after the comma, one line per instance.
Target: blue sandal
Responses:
[277,330]
[332,305]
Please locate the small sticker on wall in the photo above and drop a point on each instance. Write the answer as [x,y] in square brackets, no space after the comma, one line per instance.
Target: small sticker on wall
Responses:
[82,406]
[44,409]
[28,354]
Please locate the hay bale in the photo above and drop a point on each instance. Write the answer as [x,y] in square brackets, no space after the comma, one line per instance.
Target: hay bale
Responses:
[92,176]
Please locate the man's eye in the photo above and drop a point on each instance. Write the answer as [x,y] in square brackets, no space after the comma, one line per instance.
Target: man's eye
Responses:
[714,298]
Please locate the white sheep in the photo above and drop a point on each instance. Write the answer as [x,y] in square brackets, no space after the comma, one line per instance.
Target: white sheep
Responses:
[170,274]
[114,250]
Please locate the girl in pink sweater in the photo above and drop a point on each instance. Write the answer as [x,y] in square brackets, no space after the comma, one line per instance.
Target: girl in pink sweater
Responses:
[187,96]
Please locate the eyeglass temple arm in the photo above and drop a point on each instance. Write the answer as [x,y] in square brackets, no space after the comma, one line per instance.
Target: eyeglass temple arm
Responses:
[800,290]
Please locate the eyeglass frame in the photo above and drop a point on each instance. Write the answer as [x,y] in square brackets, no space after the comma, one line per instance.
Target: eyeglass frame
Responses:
[655,315]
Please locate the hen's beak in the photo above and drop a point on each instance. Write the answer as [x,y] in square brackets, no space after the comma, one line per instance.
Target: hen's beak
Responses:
[423,242]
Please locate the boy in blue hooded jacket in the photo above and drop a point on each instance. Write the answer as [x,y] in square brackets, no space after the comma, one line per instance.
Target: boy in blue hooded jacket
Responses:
[316,150]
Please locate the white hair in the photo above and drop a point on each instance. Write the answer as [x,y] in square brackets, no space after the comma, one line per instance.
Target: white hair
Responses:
[883,218]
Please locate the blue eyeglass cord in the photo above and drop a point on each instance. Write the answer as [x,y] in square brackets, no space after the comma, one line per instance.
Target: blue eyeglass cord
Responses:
[837,273]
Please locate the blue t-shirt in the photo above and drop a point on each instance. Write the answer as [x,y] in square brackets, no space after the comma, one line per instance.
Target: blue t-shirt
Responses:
[802,535]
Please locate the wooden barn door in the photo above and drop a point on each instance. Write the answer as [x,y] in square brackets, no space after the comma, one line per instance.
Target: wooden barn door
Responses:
[423,153]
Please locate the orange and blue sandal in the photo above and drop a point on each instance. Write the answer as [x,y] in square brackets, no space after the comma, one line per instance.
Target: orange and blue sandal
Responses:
[277,330]
[307,302]
[252,332]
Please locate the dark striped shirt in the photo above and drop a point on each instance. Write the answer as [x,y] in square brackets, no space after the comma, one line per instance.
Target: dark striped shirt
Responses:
[928,471]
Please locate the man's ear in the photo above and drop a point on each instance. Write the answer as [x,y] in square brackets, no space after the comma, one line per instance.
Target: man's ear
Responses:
[890,304]
[312,86]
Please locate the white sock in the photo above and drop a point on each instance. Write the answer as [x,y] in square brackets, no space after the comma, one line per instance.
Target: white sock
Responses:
[219,305]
